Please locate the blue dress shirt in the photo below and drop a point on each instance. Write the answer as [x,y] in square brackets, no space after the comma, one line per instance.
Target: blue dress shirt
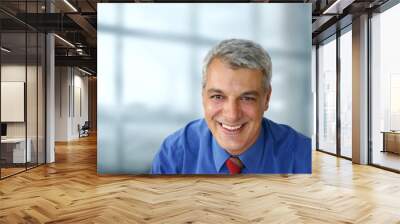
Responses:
[279,149]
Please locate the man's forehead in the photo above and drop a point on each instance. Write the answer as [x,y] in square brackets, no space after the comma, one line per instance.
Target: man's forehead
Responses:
[221,78]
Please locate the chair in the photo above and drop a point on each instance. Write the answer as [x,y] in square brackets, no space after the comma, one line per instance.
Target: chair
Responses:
[84,130]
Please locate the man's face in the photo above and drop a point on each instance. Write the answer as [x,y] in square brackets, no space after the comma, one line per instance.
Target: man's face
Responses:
[234,102]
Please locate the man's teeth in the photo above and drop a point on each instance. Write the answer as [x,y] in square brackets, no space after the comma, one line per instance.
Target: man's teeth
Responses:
[232,128]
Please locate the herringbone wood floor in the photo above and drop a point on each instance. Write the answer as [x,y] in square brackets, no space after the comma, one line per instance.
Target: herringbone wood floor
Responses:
[70,191]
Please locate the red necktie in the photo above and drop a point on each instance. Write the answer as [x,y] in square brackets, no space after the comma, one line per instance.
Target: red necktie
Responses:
[234,165]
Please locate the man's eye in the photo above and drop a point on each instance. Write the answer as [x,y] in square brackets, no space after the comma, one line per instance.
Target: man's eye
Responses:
[245,98]
[217,97]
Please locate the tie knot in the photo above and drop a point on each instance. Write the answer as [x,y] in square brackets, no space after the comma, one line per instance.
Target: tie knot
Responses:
[234,165]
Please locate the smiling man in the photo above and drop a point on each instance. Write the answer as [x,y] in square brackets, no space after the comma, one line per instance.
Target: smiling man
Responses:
[235,137]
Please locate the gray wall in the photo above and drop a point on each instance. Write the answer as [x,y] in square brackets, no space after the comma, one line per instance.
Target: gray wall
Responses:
[71,102]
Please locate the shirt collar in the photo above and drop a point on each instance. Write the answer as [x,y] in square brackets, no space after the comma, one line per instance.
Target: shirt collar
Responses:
[250,158]
[220,155]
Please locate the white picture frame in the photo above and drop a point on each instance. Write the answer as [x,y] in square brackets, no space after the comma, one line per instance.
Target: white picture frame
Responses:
[12,101]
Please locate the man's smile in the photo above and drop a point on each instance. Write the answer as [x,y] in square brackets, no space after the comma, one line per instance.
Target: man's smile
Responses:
[231,129]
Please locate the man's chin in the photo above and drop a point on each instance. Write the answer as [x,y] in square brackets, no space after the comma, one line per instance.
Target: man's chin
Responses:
[231,147]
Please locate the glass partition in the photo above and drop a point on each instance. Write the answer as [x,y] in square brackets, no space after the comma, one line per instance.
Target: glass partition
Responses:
[41,85]
[346,94]
[327,96]
[13,110]
[22,91]
[31,100]
[385,85]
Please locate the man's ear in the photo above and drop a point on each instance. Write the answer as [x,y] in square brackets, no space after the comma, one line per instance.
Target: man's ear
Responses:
[268,97]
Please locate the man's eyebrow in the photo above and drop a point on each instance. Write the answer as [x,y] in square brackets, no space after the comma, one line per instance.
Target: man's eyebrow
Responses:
[252,92]
[213,90]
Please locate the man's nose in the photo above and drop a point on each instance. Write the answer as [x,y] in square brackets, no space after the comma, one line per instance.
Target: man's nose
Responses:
[232,111]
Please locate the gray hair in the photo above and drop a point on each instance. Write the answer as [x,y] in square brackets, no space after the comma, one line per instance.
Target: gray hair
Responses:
[240,53]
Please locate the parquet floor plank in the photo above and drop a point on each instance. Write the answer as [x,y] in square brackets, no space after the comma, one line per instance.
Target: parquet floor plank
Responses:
[70,191]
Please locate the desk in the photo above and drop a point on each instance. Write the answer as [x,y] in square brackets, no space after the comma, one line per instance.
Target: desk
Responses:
[391,141]
[15,148]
